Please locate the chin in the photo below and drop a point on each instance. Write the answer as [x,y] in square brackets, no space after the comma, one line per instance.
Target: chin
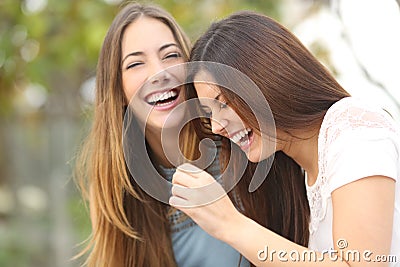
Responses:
[257,155]
[168,122]
[252,155]
[252,158]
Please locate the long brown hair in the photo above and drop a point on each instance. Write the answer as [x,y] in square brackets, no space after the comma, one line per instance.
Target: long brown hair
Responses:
[130,228]
[299,90]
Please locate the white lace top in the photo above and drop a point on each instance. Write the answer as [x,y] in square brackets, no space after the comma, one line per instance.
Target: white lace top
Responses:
[355,141]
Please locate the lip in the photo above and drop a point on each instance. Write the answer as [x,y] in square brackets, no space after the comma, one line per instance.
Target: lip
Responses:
[248,144]
[165,107]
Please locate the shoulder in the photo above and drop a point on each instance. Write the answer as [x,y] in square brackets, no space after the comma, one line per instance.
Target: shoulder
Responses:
[358,140]
[357,117]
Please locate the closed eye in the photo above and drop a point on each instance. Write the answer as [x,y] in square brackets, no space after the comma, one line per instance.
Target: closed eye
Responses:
[206,112]
[173,55]
[133,65]
[206,119]
[223,105]
[220,99]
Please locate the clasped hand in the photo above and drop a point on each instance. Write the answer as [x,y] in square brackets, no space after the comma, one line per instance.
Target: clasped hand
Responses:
[197,194]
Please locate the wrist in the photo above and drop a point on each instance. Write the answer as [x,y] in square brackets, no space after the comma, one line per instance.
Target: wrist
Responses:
[233,228]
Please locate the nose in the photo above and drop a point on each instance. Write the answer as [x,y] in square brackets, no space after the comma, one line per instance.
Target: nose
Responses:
[158,75]
[218,126]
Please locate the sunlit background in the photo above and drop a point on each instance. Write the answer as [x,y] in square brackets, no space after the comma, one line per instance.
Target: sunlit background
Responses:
[48,55]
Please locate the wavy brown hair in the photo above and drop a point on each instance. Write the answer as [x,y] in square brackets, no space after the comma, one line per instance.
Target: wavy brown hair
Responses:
[129,228]
[299,91]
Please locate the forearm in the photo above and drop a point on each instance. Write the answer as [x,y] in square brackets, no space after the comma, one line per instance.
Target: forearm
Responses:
[265,248]
[363,215]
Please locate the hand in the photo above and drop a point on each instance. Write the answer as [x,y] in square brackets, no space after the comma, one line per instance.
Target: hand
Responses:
[201,197]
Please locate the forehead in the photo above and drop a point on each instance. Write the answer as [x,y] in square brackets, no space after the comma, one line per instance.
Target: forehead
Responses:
[205,85]
[206,91]
[146,32]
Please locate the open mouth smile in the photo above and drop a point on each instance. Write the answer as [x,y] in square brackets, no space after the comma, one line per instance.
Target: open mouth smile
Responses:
[243,138]
[164,100]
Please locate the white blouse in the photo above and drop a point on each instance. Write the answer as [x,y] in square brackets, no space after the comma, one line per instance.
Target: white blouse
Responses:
[355,141]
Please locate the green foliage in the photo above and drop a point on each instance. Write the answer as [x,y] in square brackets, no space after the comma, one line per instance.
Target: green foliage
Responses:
[80,216]
[63,39]
[195,16]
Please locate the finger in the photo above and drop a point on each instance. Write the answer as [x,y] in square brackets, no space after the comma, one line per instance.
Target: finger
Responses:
[192,195]
[187,180]
[182,204]
[189,168]
[199,196]
[190,179]
[179,191]
[178,202]
[183,179]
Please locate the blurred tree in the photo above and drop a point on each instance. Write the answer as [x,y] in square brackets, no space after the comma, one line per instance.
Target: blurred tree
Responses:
[54,45]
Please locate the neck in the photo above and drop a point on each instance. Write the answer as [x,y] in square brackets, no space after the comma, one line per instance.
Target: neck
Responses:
[303,148]
[165,152]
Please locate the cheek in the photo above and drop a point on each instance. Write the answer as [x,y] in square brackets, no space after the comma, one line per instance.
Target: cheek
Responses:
[131,85]
[265,147]
[176,62]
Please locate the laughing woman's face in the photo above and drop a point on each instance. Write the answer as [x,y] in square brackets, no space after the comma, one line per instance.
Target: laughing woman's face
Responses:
[148,48]
[226,122]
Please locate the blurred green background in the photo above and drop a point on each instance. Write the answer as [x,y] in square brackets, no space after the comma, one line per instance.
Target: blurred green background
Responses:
[48,56]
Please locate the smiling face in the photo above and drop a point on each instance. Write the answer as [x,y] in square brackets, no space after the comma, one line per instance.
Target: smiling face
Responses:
[149,47]
[226,122]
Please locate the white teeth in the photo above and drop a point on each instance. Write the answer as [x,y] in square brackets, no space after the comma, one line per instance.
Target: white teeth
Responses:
[161,96]
[237,137]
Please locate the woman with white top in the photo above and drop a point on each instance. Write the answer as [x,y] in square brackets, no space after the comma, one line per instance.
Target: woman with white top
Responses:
[349,150]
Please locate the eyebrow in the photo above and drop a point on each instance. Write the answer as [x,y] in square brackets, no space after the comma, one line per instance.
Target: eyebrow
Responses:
[215,99]
[141,53]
